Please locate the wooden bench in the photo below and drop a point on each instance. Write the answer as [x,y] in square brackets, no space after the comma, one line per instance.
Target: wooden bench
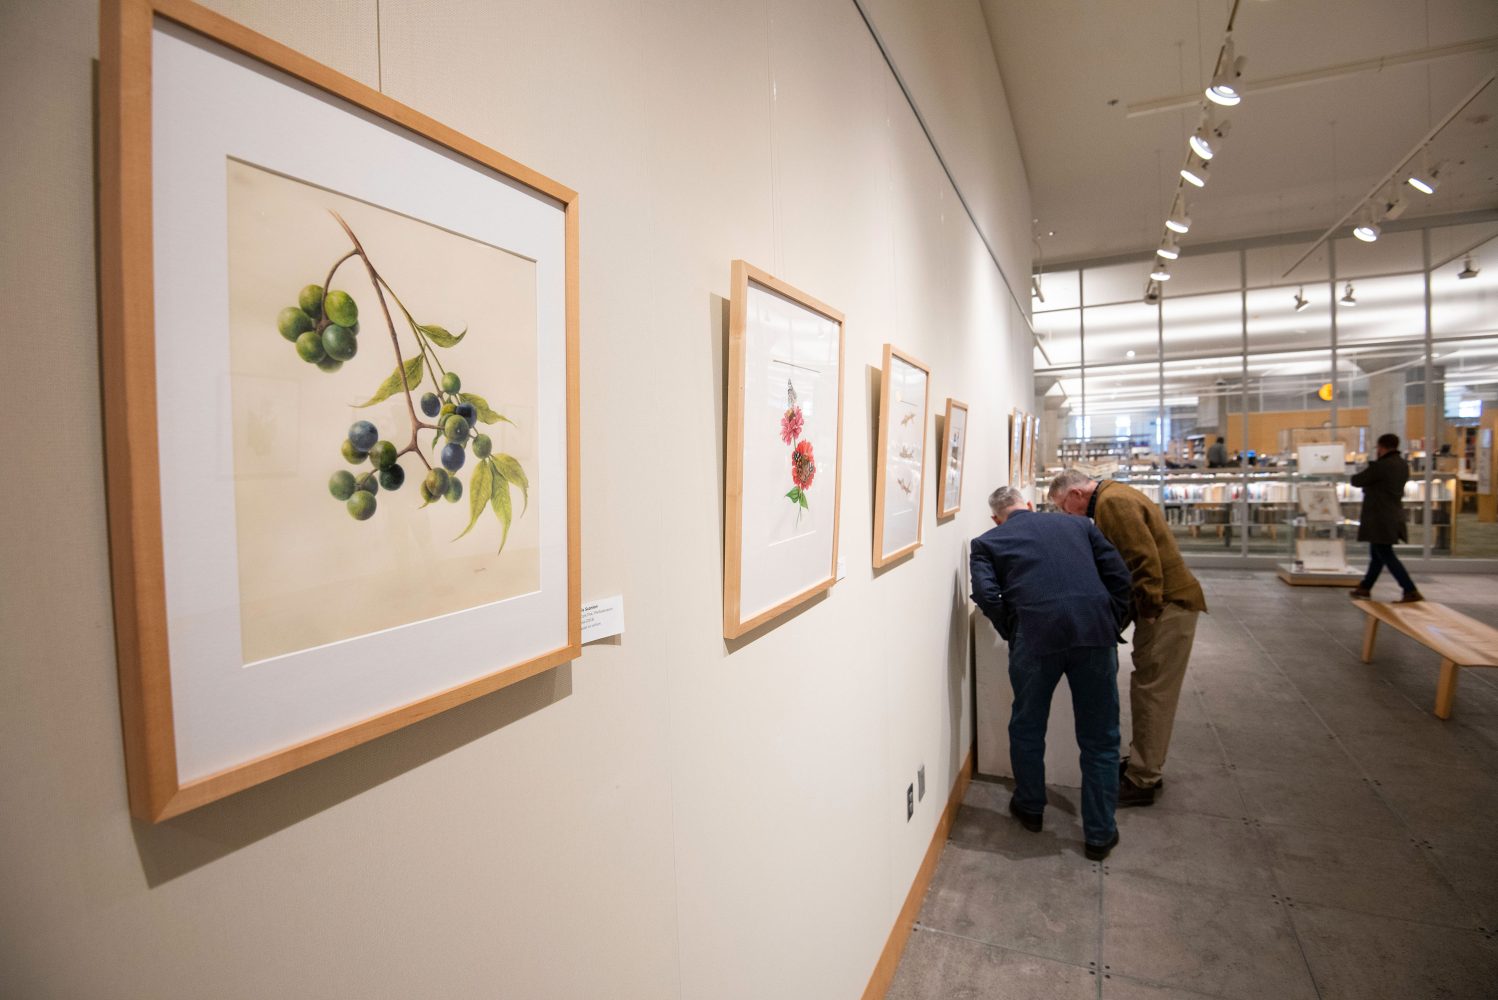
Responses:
[1459,641]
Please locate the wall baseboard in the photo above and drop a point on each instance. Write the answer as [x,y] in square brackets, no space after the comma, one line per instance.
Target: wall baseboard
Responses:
[889,959]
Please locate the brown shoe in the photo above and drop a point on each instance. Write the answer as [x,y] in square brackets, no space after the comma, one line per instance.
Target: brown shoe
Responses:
[1411,597]
[1360,593]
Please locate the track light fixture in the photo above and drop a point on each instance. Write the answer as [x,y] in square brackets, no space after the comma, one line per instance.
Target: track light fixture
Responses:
[1195,171]
[1152,293]
[1392,205]
[1347,299]
[1301,302]
[1225,88]
[1161,271]
[1426,181]
[1471,270]
[1209,136]
[1168,249]
[1367,230]
[1179,221]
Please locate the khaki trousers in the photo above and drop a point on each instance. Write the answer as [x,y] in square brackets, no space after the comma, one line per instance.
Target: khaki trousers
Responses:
[1161,651]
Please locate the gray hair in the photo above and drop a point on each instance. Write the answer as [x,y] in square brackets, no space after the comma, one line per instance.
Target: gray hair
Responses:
[1068,480]
[1004,498]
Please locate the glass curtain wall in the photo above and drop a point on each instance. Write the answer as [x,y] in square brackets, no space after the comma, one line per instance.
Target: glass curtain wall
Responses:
[1203,398]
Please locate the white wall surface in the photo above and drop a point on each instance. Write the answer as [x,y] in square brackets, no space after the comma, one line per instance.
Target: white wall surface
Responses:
[671,816]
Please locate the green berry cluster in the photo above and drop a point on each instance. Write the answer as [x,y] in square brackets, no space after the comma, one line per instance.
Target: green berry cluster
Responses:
[457,424]
[324,330]
[358,492]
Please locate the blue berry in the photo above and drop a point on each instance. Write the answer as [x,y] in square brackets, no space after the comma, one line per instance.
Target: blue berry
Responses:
[430,404]
[363,435]
[452,457]
[468,413]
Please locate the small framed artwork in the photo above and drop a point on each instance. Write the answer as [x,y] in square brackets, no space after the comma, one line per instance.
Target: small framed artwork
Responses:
[1322,555]
[785,441]
[341,407]
[899,493]
[1321,459]
[1318,502]
[1016,447]
[1037,464]
[953,454]
[1026,451]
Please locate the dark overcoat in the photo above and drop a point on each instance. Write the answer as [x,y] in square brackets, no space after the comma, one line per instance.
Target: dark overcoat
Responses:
[1382,483]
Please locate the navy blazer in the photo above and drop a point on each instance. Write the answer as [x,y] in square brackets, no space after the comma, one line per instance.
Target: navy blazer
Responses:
[1052,578]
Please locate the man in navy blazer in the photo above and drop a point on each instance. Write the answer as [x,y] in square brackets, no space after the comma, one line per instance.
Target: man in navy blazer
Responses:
[1059,593]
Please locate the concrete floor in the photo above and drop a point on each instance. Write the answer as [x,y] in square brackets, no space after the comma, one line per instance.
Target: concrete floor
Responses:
[1321,834]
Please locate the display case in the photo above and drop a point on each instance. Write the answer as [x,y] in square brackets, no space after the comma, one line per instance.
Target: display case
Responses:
[1322,534]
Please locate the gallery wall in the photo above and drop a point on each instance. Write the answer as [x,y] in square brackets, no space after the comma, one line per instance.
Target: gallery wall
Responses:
[672,815]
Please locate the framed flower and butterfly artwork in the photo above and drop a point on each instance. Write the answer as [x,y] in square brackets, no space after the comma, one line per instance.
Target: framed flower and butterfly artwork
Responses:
[785,430]
[900,462]
[340,387]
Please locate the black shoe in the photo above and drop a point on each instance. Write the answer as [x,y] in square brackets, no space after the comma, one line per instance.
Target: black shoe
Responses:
[1097,852]
[1360,593]
[1030,821]
[1130,794]
[1411,597]
[1123,770]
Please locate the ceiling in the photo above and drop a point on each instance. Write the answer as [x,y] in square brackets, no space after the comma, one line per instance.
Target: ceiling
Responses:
[1297,158]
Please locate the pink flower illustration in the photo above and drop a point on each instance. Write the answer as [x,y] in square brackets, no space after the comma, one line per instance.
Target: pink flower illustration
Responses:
[791,424]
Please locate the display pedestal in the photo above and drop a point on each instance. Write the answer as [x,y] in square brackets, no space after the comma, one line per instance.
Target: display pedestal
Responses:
[994,697]
[1345,577]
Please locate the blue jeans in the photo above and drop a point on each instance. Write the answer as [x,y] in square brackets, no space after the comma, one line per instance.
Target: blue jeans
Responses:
[1380,556]
[1092,675]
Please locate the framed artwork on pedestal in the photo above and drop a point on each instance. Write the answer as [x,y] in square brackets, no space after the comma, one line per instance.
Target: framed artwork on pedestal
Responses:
[1318,501]
[900,461]
[785,439]
[953,455]
[340,387]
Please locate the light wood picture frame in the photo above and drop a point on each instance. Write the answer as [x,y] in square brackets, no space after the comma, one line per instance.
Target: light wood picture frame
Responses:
[783,494]
[900,459]
[1037,464]
[200,720]
[953,459]
[1026,458]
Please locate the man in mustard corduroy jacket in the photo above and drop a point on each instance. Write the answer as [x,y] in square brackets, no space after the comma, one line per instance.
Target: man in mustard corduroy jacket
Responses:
[1167,601]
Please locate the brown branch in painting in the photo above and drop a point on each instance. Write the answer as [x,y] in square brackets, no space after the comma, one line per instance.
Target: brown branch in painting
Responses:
[400,361]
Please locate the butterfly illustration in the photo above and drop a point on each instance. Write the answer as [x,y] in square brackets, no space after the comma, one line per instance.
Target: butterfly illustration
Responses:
[905,485]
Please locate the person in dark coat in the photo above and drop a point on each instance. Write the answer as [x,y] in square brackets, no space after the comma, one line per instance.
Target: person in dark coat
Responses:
[1059,593]
[1382,524]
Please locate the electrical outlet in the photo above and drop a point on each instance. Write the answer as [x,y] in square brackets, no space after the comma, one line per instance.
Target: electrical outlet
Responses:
[920,783]
[909,802]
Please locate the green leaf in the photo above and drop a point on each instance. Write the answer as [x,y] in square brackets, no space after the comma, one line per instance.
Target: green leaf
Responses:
[441,337]
[500,500]
[485,414]
[794,495]
[804,504]
[393,384]
[479,485]
[509,467]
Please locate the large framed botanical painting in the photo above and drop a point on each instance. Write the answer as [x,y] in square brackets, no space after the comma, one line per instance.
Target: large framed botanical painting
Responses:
[340,366]
[900,461]
[953,455]
[785,440]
